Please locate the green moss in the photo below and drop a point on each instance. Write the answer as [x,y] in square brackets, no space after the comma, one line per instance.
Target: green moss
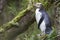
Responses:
[16,19]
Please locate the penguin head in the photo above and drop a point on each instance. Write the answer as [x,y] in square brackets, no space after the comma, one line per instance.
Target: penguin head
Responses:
[38,5]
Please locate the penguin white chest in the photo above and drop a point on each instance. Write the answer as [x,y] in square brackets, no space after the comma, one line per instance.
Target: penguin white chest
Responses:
[38,15]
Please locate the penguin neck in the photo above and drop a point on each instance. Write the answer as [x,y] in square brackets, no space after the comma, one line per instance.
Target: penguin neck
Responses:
[39,9]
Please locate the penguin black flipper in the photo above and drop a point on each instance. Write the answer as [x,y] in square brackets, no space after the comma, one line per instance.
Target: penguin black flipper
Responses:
[40,21]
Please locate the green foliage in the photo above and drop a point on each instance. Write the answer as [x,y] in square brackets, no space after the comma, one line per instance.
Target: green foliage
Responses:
[52,36]
[11,8]
[15,6]
[32,34]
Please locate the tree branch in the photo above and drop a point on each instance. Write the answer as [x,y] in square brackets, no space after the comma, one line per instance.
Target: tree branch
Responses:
[24,23]
[9,25]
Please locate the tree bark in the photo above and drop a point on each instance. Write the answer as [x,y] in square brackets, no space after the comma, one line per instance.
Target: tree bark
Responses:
[10,30]
[57,17]
[2,15]
[24,23]
[24,20]
[9,25]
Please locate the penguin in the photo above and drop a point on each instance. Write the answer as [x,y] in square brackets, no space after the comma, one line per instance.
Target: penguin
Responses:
[42,19]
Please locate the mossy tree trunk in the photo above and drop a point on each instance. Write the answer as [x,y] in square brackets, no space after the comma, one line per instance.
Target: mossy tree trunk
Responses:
[23,26]
[26,20]
[57,17]
[2,14]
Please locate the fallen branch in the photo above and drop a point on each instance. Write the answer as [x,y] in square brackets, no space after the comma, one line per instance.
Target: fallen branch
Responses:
[24,23]
[10,24]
